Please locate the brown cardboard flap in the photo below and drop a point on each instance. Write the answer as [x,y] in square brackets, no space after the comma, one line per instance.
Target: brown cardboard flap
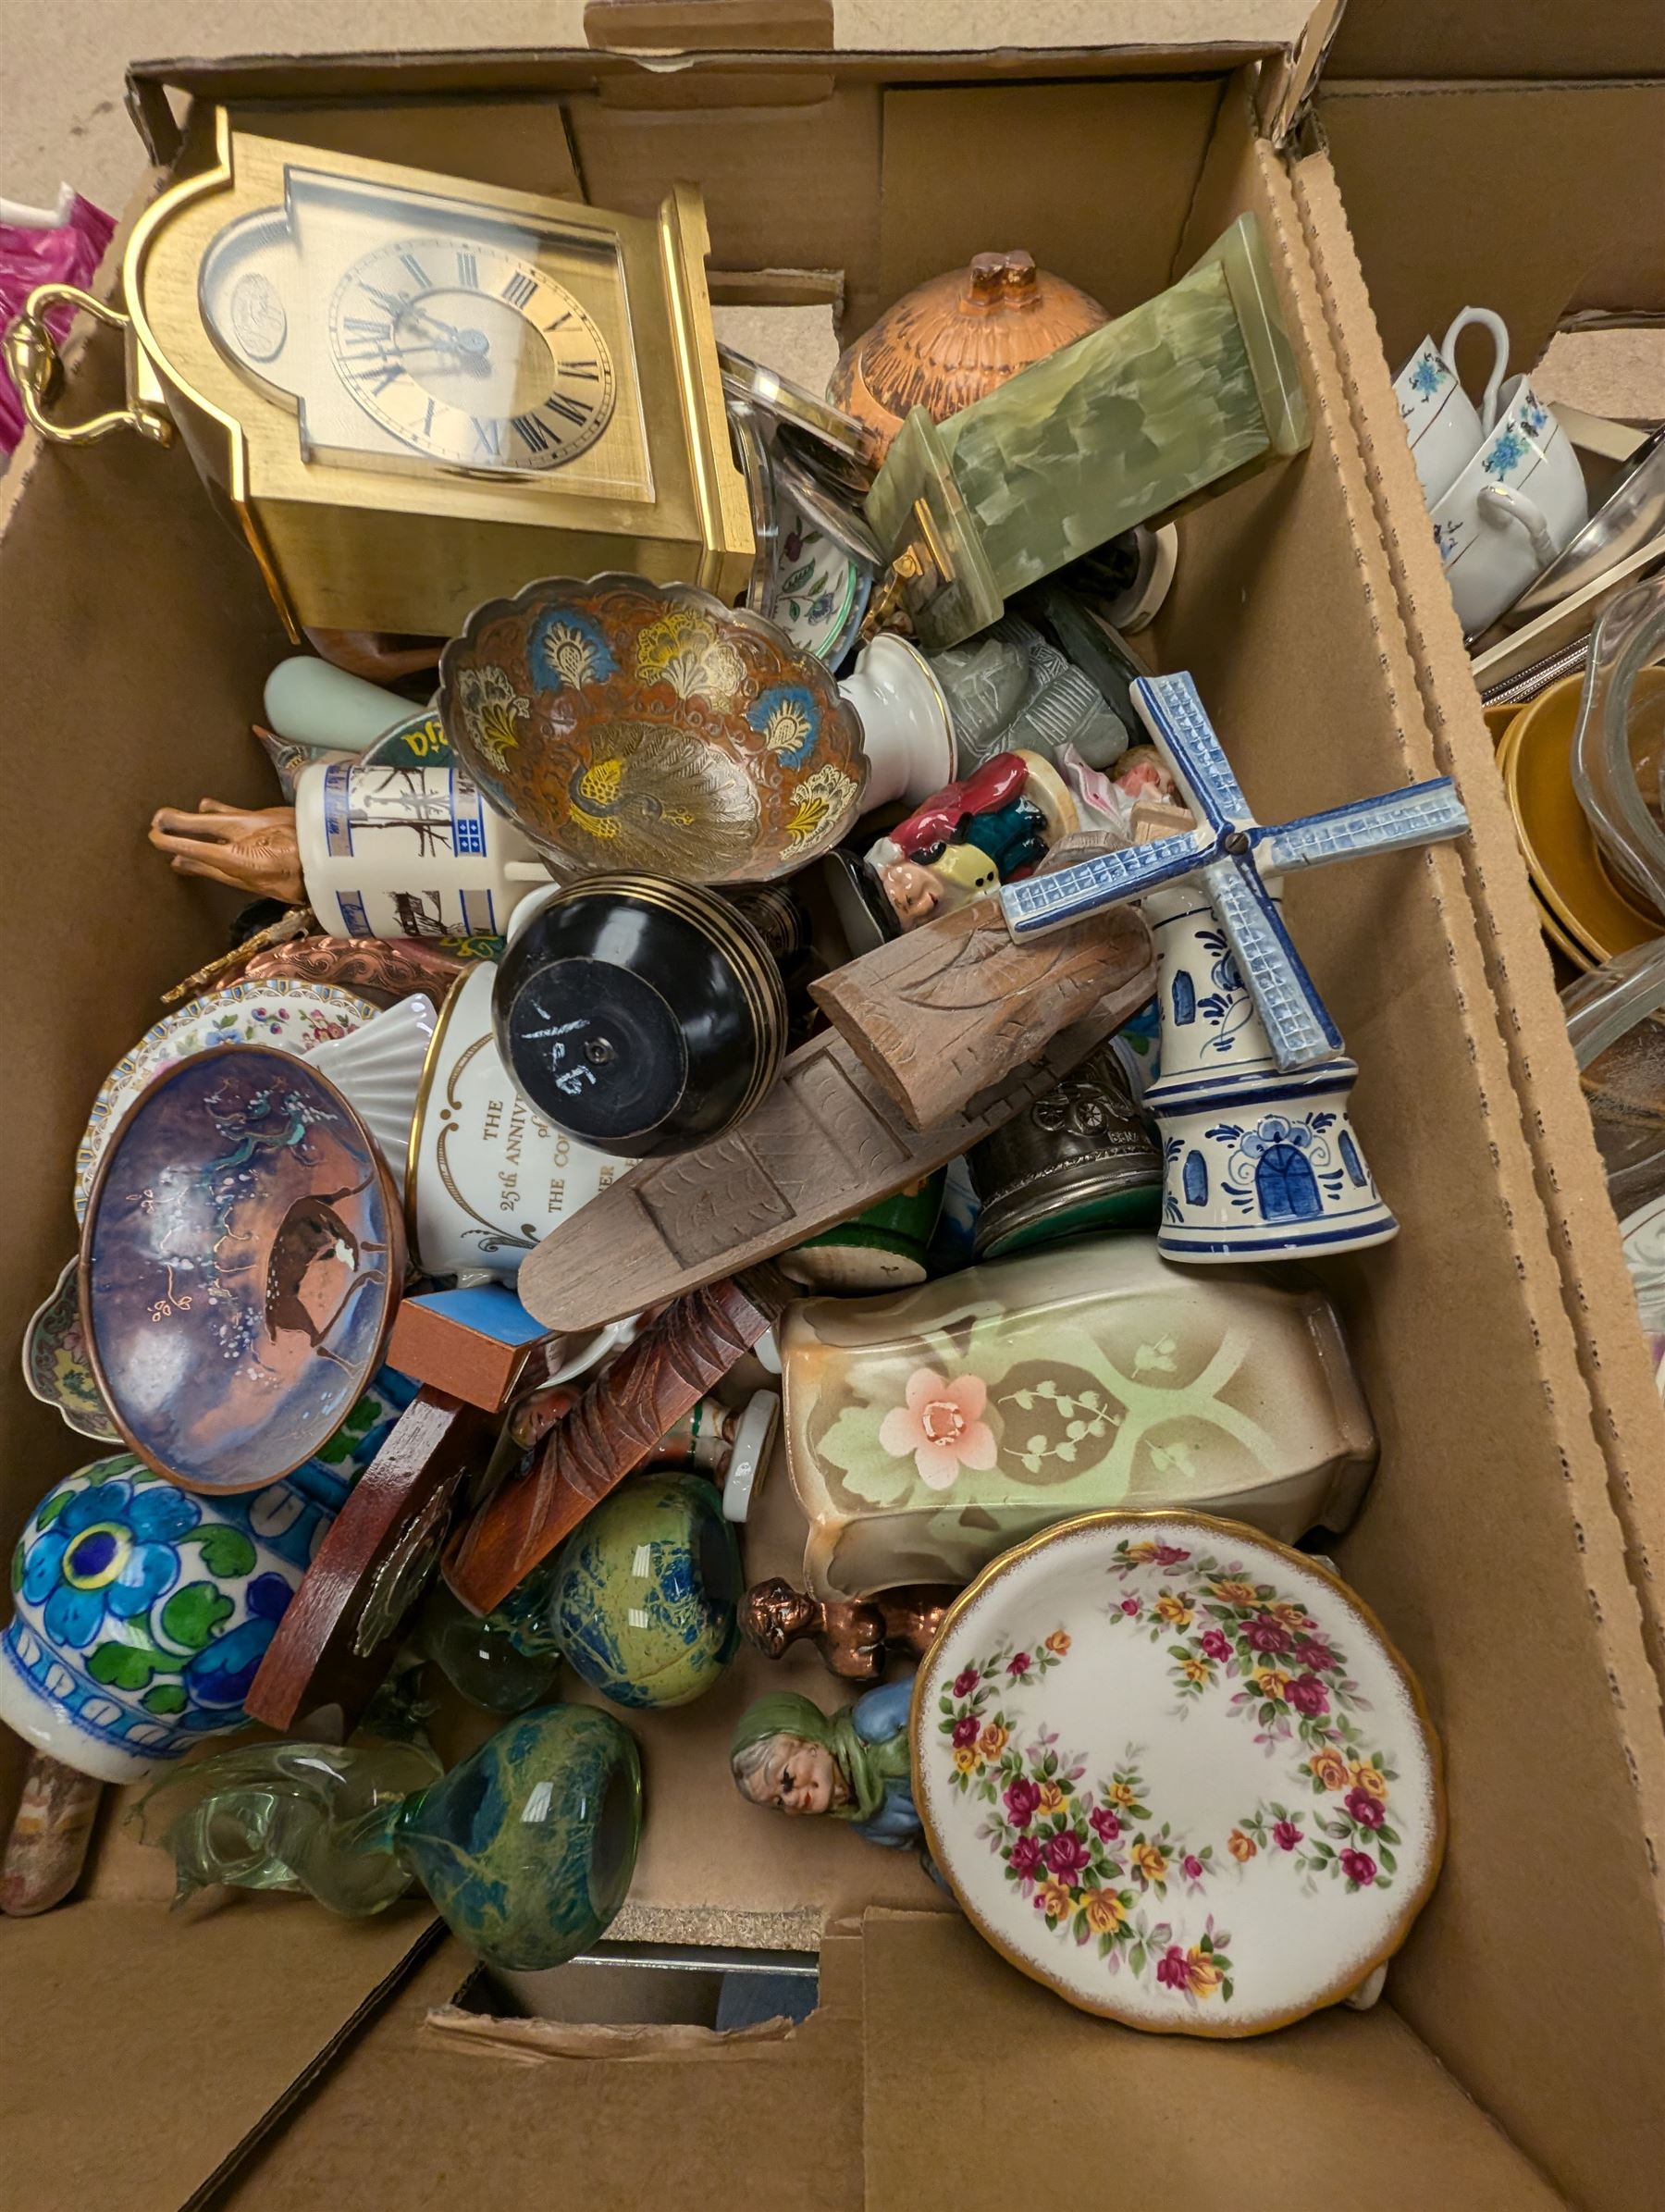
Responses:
[544,2042]
[1031,2102]
[407,2121]
[524,147]
[85,1991]
[1438,182]
[1527,38]
[1595,1288]
[674,26]
[974,169]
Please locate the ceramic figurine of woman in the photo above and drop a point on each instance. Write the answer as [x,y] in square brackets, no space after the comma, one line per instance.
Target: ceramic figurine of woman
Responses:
[788,1756]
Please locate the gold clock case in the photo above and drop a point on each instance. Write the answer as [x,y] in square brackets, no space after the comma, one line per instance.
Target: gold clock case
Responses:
[360,547]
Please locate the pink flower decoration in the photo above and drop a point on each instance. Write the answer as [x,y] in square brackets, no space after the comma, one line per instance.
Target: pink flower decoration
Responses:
[1104,1824]
[1026,1857]
[1367,1811]
[1021,1798]
[1066,1855]
[1359,1867]
[1214,1644]
[1308,1696]
[1130,1606]
[1285,1834]
[1193,1868]
[1173,1970]
[942,1425]
[966,1727]
[966,1681]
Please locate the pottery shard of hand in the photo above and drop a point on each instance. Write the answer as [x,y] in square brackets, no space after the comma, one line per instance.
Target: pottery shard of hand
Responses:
[251,850]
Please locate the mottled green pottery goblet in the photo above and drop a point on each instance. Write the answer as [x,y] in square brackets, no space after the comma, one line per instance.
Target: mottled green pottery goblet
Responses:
[528,1846]
[643,1596]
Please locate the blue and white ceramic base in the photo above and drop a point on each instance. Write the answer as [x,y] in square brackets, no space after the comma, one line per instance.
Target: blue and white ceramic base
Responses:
[1264,1168]
[1257,1163]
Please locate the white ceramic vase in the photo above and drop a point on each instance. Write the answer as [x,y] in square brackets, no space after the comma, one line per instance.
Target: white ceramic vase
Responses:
[1257,1163]
[905,730]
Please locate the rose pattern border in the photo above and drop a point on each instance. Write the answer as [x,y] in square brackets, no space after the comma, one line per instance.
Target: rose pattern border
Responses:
[1089,1858]
[1293,1684]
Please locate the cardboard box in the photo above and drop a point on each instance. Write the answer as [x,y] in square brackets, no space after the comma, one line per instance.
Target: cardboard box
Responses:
[264,2055]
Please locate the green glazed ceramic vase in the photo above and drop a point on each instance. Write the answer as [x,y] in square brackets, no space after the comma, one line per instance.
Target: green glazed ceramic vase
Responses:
[528,1846]
[641,1598]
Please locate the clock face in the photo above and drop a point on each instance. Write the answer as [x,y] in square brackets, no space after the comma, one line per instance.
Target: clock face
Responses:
[466,353]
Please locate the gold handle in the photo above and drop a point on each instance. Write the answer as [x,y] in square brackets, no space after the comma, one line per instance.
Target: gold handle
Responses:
[37,369]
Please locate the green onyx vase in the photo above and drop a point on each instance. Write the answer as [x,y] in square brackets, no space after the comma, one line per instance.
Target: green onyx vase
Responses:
[641,1599]
[1188,392]
[528,1846]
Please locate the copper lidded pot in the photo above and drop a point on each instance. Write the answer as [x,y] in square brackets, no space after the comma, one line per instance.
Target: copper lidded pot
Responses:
[955,338]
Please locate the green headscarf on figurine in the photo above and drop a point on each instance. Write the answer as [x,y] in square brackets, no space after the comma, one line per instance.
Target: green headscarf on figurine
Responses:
[787,1754]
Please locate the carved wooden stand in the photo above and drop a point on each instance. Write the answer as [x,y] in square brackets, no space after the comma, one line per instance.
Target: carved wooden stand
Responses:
[614,1427]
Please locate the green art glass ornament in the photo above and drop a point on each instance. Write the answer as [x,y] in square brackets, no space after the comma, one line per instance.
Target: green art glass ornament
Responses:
[1186,393]
[485,1658]
[526,1847]
[641,1599]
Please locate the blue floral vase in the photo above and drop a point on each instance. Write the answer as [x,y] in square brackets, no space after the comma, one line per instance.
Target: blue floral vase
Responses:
[1258,1164]
[142,1612]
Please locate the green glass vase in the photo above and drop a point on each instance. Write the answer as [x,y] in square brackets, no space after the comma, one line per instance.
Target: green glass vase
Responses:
[1186,393]
[528,1846]
[641,1598]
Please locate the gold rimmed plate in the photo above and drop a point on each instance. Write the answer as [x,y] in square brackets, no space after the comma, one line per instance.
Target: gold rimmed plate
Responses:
[1177,1772]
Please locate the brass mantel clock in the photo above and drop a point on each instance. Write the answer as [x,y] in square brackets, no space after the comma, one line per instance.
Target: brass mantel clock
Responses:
[417,393]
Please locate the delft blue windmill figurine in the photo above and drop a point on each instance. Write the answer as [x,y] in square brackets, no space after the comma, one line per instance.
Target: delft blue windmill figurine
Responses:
[1260,1158]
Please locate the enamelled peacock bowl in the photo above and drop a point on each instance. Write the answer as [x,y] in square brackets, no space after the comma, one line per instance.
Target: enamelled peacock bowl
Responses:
[625,725]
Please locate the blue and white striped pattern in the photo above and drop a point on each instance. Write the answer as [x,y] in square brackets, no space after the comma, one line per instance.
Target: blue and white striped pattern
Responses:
[1425,814]
[1296,1020]
[1047,902]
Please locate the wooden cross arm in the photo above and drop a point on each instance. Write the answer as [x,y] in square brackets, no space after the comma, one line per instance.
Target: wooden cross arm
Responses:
[613,1429]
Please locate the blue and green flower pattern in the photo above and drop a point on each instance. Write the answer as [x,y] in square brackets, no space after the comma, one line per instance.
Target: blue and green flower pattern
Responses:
[144,1611]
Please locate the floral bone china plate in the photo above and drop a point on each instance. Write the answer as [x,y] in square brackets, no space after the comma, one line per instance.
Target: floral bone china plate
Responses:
[1176,1771]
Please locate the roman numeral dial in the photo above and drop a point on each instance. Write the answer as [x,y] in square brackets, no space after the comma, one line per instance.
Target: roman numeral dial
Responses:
[472,354]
